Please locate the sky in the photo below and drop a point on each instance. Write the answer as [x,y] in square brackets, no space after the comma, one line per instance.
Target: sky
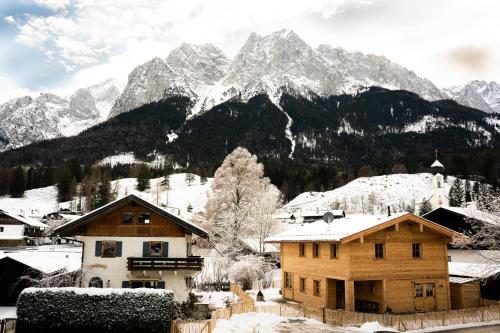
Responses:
[62,45]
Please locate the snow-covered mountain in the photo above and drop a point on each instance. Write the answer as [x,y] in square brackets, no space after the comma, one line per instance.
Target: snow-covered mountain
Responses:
[25,119]
[370,194]
[270,64]
[481,95]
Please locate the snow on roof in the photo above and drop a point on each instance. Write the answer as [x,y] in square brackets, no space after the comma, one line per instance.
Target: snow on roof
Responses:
[461,280]
[437,164]
[47,258]
[254,245]
[335,231]
[100,291]
[480,271]
[473,213]
[26,220]
[130,196]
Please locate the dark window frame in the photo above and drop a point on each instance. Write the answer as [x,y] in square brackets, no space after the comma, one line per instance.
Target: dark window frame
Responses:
[316,250]
[416,250]
[334,251]
[317,287]
[140,218]
[131,214]
[302,249]
[379,250]
[302,284]
[103,246]
[150,254]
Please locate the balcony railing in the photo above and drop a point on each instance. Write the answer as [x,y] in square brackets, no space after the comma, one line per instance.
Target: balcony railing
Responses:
[164,264]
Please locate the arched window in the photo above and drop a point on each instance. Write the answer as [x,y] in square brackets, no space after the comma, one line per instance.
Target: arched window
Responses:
[96,282]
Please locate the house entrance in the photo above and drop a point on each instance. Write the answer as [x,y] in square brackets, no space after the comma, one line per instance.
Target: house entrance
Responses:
[336,294]
[369,296]
[425,297]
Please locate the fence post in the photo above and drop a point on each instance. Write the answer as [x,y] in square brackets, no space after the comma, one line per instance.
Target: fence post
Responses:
[323,319]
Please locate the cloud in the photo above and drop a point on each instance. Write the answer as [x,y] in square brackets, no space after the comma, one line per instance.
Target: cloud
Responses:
[474,59]
[9,90]
[54,5]
[98,29]
[10,20]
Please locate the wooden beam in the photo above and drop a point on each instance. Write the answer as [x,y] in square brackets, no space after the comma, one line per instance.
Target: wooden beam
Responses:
[421,227]
[362,239]
[396,226]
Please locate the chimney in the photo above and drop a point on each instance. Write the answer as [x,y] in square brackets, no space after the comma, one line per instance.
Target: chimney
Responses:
[388,210]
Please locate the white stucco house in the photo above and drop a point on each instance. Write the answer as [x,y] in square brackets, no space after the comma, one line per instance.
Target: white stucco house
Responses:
[132,243]
[18,230]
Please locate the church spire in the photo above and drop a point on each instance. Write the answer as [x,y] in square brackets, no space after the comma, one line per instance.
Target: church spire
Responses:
[437,167]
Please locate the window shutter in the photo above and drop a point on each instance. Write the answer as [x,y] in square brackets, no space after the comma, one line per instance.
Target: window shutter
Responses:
[145,248]
[124,284]
[160,284]
[98,248]
[118,250]
[164,249]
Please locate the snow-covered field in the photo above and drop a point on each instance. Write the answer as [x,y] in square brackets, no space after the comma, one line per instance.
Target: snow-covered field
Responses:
[43,200]
[397,190]
[217,299]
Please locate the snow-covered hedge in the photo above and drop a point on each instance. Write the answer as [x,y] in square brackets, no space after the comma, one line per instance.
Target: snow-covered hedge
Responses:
[95,310]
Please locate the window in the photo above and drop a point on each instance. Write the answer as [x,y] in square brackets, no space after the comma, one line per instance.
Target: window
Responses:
[143,284]
[288,280]
[449,258]
[419,291]
[155,249]
[334,248]
[379,251]
[1,229]
[316,288]
[302,249]
[127,218]
[144,218]
[96,282]
[108,249]
[416,250]
[302,284]
[315,250]
[429,290]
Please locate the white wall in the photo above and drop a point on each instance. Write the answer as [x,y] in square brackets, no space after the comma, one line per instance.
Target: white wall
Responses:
[115,269]
[12,230]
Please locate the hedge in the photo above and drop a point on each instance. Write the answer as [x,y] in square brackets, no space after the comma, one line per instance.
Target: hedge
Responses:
[55,310]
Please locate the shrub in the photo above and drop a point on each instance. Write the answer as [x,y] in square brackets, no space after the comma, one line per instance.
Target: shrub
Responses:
[95,310]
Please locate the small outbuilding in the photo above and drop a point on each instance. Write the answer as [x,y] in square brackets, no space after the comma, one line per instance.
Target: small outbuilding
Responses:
[465,292]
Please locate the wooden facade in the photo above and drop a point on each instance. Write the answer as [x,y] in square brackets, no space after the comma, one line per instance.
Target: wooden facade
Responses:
[399,267]
[465,295]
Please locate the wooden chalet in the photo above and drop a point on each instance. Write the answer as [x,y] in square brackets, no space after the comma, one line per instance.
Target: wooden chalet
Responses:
[366,263]
[132,243]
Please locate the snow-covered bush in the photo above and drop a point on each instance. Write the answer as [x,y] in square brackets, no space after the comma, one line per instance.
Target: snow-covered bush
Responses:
[248,269]
[95,310]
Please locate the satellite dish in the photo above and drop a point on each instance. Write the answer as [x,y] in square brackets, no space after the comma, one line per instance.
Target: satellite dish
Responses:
[328,217]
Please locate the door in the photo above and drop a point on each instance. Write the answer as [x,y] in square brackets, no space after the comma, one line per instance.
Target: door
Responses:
[425,297]
[340,294]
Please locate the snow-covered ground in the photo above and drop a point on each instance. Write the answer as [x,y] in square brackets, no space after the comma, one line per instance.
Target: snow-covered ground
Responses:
[7,312]
[217,299]
[362,194]
[272,323]
[43,200]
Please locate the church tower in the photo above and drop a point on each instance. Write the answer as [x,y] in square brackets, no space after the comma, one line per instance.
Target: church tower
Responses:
[439,196]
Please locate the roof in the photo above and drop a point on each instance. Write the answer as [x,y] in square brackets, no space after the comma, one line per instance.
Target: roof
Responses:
[23,219]
[468,212]
[70,227]
[473,270]
[48,258]
[461,280]
[437,164]
[254,245]
[351,227]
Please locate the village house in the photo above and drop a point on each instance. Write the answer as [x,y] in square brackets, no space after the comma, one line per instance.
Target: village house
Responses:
[19,230]
[132,243]
[367,263]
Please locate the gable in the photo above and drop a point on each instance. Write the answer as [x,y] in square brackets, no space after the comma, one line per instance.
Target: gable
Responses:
[8,220]
[412,224]
[107,221]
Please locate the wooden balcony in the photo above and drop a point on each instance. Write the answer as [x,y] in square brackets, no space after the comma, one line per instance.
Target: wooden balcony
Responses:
[164,264]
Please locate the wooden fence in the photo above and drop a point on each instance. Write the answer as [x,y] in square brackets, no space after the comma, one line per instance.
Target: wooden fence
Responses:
[342,318]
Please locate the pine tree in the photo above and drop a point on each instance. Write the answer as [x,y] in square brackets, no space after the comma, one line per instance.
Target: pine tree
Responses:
[203,180]
[468,191]
[425,207]
[143,178]
[456,195]
[18,182]
[63,185]
[189,208]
